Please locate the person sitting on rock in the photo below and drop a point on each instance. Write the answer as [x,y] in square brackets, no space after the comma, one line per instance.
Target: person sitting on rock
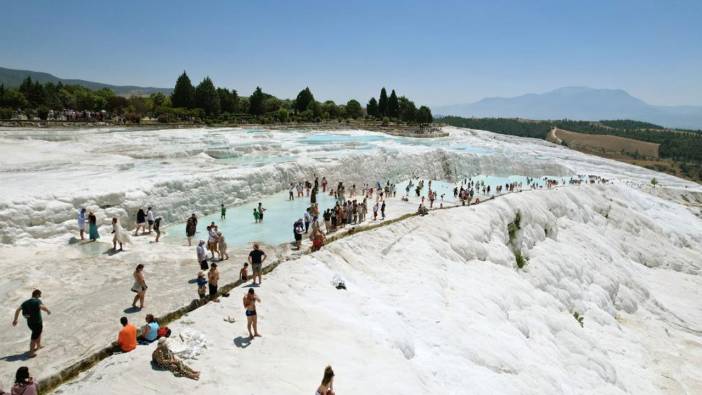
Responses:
[164,359]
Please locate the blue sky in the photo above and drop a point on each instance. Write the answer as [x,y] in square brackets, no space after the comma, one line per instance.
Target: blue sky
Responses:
[435,52]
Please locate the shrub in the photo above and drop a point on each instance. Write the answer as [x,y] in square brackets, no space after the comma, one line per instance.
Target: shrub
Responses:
[578,318]
[521,261]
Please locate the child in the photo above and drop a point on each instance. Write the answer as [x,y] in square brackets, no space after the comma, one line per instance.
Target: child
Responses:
[243,273]
[201,285]
[256,216]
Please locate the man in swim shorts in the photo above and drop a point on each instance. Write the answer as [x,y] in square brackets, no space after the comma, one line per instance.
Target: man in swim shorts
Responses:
[250,300]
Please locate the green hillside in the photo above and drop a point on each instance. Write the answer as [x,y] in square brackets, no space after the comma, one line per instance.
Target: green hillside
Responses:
[12,78]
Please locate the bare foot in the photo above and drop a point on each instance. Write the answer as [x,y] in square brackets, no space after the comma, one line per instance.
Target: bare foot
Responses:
[31,354]
[257,335]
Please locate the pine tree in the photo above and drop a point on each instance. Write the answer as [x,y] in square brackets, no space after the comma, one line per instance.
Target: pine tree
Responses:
[206,97]
[228,101]
[383,103]
[424,115]
[183,93]
[372,107]
[393,106]
[256,105]
[303,100]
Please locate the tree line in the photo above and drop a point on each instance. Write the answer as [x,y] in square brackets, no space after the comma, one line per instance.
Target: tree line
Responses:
[217,102]
[204,102]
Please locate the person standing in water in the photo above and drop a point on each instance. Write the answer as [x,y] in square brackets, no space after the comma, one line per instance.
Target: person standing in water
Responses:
[223,213]
[256,259]
[291,195]
[81,223]
[150,218]
[250,300]
[256,215]
[382,210]
[222,244]
[139,286]
[191,228]
[327,385]
[260,212]
[140,222]
[92,227]
[157,228]
[31,310]
[120,235]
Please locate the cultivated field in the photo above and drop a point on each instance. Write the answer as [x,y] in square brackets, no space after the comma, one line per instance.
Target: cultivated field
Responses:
[604,144]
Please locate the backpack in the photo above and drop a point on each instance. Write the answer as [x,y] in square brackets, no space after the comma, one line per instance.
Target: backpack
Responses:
[163,331]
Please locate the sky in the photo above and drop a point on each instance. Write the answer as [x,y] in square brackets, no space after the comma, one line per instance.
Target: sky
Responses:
[434,52]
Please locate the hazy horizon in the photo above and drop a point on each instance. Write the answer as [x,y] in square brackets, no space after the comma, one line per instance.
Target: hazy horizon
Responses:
[437,54]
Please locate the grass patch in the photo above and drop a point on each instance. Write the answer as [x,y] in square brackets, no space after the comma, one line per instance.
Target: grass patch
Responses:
[521,261]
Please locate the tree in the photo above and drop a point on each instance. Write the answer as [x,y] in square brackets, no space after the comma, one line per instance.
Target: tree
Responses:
[303,100]
[393,106]
[256,105]
[372,107]
[424,115]
[329,110]
[316,108]
[408,111]
[157,100]
[353,109]
[383,103]
[183,93]
[228,101]
[206,97]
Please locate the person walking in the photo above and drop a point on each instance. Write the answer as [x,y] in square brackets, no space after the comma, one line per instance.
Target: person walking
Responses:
[191,228]
[223,213]
[250,300]
[31,310]
[120,235]
[139,286]
[92,227]
[81,223]
[256,259]
[213,279]
[327,385]
[382,210]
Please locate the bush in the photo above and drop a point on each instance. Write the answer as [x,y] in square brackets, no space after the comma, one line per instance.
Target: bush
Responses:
[578,318]
[521,261]
[6,113]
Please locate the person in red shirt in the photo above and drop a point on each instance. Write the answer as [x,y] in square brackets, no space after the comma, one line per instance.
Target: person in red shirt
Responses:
[127,339]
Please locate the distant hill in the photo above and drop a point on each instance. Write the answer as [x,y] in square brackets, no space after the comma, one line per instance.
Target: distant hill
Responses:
[13,78]
[579,103]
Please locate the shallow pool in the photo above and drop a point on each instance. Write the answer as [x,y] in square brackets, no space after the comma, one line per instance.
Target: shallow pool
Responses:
[239,227]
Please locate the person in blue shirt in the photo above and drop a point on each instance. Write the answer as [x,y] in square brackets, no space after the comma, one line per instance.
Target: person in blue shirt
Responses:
[149,332]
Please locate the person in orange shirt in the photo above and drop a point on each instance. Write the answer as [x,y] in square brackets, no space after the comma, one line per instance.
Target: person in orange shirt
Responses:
[127,339]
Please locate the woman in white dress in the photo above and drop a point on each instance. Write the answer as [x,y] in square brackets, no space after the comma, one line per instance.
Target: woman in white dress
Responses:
[120,235]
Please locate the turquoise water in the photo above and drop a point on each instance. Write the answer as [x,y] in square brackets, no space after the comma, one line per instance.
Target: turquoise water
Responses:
[446,188]
[239,228]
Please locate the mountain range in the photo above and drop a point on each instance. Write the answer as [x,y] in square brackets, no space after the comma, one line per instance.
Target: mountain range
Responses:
[13,78]
[579,103]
